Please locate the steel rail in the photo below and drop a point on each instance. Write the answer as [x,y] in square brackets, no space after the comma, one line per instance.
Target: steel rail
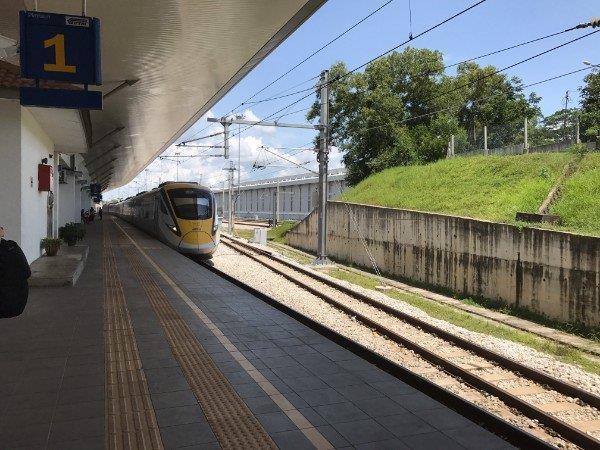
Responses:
[499,426]
[568,431]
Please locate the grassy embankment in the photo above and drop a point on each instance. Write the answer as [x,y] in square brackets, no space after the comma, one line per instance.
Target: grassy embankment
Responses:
[492,188]
[579,203]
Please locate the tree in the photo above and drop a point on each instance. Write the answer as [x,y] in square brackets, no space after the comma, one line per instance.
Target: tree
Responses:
[552,128]
[403,109]
[492,99]
[590,107]
[384,116]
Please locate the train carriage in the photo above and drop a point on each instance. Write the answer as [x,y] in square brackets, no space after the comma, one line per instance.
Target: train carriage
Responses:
[180,214]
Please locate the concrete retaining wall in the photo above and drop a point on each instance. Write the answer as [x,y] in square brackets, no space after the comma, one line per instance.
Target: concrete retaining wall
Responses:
[554,273]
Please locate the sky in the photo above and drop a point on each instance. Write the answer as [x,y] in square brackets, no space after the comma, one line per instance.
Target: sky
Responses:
[490,26]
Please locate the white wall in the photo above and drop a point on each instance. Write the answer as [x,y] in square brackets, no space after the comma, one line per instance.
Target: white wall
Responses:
[23,209]
[68,206]
[10,168]
[35,145]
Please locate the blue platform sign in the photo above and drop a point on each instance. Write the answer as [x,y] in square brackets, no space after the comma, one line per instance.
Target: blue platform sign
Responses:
[60,47]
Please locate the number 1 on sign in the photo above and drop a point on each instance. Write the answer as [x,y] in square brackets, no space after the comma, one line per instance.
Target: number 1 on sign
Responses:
[60,65]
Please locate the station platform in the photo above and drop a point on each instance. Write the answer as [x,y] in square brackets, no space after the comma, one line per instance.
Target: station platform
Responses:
[152,350]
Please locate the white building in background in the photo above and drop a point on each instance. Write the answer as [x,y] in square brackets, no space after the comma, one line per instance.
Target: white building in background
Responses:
[284,198]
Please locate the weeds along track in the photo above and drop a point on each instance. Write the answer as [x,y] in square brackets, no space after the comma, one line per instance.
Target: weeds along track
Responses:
[520,394]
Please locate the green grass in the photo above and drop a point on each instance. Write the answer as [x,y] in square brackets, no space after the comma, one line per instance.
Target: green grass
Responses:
[275,234]
[484,187]
[293,255]
[470,322]
[243,233]
[579,203]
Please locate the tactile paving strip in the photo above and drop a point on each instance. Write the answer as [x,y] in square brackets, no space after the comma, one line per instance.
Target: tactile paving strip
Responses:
[130,418]
[230,419]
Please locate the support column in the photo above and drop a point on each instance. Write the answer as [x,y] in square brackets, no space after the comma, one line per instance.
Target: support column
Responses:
[230,201]
[56,194]
[223,201]
[277,204]
[323,169]
[11,169]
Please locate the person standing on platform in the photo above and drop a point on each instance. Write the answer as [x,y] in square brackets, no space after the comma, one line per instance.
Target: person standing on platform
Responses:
[14,273]
[100,213]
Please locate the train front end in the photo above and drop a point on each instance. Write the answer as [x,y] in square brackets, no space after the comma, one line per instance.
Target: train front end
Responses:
[194,227]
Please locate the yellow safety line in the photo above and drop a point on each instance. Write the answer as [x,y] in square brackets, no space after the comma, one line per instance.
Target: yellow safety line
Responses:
[130,418]
[231,420]
[303,424]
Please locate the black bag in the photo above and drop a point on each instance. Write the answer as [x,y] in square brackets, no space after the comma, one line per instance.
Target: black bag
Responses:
[14,272]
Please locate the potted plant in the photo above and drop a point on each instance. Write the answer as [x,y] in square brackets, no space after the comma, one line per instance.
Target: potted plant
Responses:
[69,234]
[51,246]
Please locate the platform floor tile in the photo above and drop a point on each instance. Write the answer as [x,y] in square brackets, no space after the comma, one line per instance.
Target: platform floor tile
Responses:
[297,384]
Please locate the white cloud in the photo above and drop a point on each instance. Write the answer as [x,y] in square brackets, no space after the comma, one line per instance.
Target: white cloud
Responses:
[209,171]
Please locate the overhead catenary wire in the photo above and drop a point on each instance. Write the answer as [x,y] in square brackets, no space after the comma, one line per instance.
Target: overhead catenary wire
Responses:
[313,54]
[422,33]
[424,73]
[418,35]
[491,74]
[431,113]
[201,138]
[286,159]
[396,47]
[522,61]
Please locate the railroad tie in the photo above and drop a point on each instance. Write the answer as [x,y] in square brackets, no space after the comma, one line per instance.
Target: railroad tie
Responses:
[234,425]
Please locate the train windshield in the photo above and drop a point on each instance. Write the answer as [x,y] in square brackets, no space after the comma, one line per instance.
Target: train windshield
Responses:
[191,204]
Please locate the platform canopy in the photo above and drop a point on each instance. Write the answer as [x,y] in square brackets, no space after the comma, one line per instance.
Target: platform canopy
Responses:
[172,60]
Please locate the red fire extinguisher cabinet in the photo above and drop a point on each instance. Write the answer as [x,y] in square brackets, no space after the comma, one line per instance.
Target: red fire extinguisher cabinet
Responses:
[44,178]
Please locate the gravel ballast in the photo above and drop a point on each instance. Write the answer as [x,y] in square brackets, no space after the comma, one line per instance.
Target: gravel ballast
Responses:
[276,286]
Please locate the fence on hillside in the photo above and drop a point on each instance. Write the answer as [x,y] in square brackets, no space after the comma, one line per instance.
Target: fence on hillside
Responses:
[516,138]
[519,149]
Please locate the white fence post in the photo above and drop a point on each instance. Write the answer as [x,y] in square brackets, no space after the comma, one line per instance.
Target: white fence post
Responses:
[526,137]
[486,151]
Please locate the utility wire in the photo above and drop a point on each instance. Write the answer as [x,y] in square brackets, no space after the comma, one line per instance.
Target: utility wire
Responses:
[345,75]
[200,138]
[323,47]
[410,36]
[421,116]
[422,33]
[294,112]
[272,115]
[497,71]
[495,52]
[287,159]
[428,72]
[521,44]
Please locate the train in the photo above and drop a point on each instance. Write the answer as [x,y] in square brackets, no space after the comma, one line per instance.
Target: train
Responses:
[183,215]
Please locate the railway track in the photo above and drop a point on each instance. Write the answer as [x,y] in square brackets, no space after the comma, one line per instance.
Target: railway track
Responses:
[559,406]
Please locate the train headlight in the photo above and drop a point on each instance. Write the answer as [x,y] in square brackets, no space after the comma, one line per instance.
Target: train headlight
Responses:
[171,226]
